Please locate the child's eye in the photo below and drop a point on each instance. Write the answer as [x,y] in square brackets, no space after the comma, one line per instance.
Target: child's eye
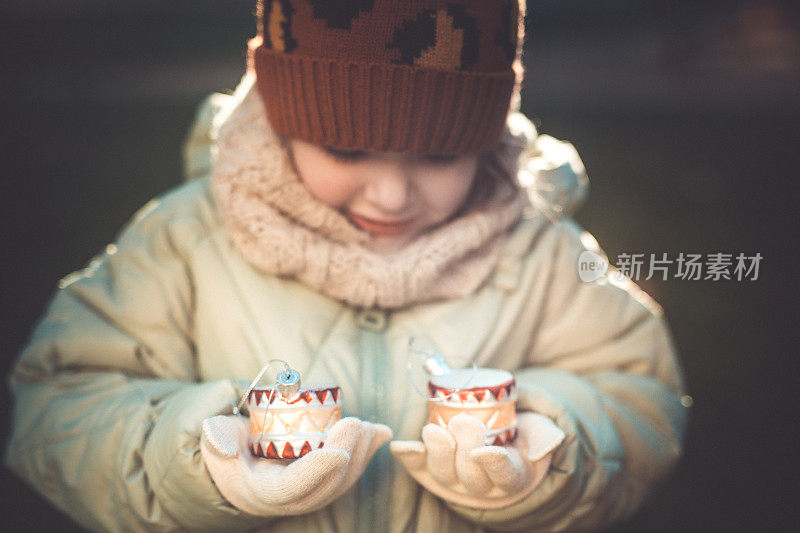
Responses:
[439,159]
[345,155]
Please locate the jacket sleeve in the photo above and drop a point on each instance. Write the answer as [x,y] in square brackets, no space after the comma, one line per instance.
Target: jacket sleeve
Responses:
[603,367]
[107,410]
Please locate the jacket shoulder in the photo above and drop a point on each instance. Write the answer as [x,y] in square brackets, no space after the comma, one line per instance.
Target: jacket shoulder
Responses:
[557,250]
[536,237]
[187,212]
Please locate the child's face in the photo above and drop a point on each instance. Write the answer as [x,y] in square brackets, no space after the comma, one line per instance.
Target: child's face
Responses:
[394,197]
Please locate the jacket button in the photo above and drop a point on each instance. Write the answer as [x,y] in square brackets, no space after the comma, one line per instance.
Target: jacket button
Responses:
[371,320]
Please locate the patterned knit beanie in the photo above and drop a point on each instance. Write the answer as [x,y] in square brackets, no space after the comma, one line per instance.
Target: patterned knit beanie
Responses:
[410,76]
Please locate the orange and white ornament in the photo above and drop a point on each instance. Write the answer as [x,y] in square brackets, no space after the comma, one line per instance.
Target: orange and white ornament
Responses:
[486,393]
[288,427]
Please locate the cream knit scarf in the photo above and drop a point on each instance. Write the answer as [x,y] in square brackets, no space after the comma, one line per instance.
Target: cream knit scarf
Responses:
[281,229]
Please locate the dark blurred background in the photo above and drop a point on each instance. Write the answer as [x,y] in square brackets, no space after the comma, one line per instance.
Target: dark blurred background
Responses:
[685,114]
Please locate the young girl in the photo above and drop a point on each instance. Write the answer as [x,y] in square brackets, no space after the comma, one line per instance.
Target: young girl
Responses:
[365,185]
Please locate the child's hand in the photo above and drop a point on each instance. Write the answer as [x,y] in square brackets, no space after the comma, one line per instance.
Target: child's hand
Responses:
[455,465]
[270,487]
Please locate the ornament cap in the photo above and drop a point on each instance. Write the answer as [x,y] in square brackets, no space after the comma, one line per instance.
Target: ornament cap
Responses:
[288,383]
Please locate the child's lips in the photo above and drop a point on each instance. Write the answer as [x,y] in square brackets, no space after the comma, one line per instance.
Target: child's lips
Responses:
[380,227]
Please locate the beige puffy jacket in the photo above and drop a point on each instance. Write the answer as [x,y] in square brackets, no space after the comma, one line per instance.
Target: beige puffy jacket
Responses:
[158,331]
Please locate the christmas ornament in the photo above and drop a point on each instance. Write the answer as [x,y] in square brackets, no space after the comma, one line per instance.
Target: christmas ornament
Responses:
[488,394]
[288,420]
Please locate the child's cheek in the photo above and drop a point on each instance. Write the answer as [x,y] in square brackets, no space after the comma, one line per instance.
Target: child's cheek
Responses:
[332,188]
[447,189]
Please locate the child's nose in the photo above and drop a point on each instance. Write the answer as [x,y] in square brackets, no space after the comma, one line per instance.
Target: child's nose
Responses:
[388,189]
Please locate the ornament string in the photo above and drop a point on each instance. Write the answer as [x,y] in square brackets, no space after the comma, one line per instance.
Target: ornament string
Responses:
[287,383]
[434,365]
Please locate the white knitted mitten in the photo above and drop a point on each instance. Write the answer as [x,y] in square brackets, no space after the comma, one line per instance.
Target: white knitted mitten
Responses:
[455,465]
[274,487]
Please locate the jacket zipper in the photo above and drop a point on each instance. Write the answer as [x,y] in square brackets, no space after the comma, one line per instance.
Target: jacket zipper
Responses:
[372,504]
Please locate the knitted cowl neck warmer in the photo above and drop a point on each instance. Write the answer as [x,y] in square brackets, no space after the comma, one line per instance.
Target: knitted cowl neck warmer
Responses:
[281,229]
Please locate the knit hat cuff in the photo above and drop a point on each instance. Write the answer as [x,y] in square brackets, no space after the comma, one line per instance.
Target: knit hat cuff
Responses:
[382,107]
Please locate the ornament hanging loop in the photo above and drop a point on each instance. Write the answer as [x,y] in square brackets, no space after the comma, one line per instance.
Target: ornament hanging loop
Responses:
[434,364]
[287,383]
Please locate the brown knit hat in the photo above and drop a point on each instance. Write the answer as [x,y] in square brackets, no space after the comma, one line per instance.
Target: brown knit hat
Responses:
[412,76]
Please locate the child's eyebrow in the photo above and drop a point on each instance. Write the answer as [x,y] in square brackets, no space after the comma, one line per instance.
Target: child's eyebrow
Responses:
[439,158]
[344,154]
[335,150]
[353,155]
